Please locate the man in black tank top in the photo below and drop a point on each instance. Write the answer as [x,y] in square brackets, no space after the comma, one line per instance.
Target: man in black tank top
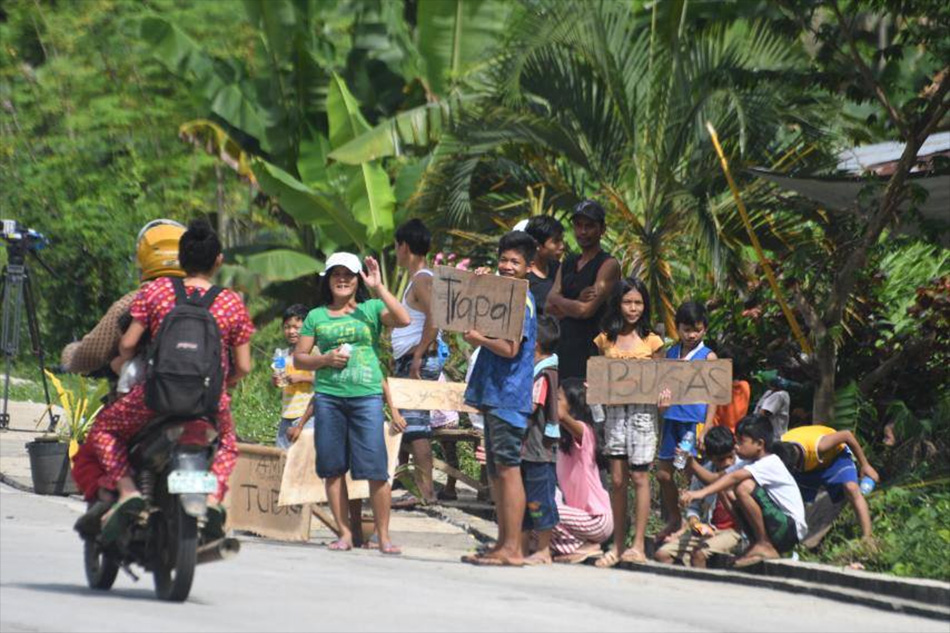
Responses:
[580,290]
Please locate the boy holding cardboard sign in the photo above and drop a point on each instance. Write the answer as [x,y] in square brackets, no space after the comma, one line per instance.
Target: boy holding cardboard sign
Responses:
[500,387]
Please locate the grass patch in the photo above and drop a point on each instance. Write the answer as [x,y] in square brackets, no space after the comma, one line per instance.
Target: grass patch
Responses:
[911,533]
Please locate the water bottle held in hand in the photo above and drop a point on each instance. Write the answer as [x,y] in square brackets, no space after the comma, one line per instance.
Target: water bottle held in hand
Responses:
[684,450]
[345,349]
[867,485]
[279,365]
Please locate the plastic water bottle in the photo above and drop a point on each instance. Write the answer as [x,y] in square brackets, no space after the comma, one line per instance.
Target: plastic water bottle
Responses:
[684,450]
[867,485]
[279,365]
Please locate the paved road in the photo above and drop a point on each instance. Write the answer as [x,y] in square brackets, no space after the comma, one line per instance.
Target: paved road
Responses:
[279,587]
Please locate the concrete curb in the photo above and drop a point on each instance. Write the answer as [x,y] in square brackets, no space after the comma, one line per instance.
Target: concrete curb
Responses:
[460,519]
[13,483]
[820,589]
[926,598]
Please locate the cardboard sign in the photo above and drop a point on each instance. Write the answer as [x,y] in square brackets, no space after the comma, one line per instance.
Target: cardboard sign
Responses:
[252,499]
[615,381]
[300,483]
[428,395]
[493,305]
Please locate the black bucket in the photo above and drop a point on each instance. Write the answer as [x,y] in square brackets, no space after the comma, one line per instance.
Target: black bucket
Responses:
[49,464]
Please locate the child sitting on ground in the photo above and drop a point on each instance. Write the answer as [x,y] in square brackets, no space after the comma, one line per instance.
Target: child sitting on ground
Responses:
[767,498]
[539,453]
[296,384]
[680,419]
[584,510]
[824,458]
[500,388]
[711,527]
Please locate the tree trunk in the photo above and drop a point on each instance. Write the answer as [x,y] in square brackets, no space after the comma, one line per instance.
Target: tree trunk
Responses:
[826,356]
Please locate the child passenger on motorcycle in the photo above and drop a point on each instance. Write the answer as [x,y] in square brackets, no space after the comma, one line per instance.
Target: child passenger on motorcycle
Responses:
[200,257]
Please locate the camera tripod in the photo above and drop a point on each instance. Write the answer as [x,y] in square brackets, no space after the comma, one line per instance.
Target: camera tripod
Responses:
[15,294]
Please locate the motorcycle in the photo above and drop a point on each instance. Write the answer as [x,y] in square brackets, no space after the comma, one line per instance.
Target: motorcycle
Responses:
[171,459]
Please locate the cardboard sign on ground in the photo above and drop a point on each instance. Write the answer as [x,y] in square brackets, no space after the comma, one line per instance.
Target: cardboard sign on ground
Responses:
[428,395]
[300,484]
[615,381]
[253,497]
[493,305]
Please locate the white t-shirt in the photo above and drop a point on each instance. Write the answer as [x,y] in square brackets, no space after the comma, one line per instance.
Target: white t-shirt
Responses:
[770,473]
[777,403]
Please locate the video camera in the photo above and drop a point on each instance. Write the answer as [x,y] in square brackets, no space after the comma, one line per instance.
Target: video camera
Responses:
[24,238]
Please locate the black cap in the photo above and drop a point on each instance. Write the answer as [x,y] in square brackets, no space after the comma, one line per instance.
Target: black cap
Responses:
[591,210]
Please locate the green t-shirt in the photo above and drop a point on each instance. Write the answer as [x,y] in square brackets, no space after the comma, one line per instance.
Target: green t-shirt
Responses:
[362,375]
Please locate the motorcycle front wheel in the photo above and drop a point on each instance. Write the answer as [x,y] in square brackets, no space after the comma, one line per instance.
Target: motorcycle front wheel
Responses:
[177,555]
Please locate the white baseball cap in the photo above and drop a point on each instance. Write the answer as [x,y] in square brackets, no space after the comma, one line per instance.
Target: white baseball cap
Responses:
[348,260]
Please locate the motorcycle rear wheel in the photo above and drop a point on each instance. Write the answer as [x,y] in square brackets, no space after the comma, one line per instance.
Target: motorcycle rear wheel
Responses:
[101,569]
[177,557]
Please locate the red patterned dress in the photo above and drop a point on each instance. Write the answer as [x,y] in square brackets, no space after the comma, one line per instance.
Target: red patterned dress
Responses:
[119,422]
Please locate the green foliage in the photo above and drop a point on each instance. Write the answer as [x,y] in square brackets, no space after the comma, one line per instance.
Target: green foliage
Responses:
[256,402]
[89,149]
[911,533]
[905,269]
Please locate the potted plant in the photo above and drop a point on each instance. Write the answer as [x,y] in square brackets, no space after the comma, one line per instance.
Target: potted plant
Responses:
[50,454]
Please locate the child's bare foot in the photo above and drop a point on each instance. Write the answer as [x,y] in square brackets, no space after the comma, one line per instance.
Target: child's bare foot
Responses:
[757,553]
[541,557]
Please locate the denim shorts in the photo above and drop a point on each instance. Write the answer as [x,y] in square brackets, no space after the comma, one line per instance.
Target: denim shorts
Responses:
[418,422]
[540,481]
[502,444]
[282,441]
[672,435]
[349,435]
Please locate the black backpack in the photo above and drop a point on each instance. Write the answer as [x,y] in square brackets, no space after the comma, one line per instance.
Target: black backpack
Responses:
[184,376]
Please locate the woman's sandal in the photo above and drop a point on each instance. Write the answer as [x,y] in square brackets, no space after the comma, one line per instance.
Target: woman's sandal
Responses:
[608,560]
[578,557]
[390,550]
[339,545]
[492,561]
[634,556]
[115,520]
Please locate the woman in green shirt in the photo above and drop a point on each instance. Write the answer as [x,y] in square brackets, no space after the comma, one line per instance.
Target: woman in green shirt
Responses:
[339,340]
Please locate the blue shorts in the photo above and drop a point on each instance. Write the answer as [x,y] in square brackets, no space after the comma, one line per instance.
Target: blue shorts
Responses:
[418,422]
[671,435]
[840,472]
[349,434]
[540,481]
[502,444]
[282,441]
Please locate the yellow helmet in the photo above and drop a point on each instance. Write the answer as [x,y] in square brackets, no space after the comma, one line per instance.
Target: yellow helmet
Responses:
[157,249]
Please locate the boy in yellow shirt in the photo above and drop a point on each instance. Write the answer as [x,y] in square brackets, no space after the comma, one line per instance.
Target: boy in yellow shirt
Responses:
[821,457]
[296,384]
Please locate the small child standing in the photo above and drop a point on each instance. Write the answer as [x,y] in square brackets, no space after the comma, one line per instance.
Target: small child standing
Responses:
[680,419]
[500,388]
[767,497]
[298,390]
[539,453]
[630,430]
[712,529]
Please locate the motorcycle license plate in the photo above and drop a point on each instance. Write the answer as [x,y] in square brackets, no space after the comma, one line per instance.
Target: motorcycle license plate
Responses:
[190,481]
